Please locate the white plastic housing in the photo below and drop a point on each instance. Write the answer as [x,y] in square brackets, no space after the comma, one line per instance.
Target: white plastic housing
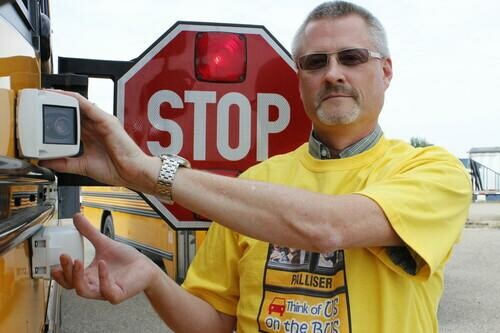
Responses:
[49,243]
[30,124]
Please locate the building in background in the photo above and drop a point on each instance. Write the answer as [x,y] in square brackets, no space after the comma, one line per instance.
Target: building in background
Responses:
[484,166]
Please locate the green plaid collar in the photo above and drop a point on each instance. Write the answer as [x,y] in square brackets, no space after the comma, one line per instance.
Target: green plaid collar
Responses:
[320,151]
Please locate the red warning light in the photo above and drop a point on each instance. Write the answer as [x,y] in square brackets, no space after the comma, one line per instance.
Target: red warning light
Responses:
[220,57]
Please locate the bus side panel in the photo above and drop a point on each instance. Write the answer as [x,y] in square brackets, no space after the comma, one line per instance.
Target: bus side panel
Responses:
[199,236]
[21,297]
[93,215]
[147,231]
[7,122]
[151,231]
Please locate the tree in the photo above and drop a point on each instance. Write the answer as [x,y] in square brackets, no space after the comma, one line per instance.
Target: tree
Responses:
[416,141]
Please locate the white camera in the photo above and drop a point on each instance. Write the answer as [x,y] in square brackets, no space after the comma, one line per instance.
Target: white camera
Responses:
[49,243]
[48,124]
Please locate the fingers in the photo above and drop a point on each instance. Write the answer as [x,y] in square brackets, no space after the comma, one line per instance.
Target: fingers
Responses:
[67,269]
[58,276]
[81,283]
[72,276]
[56,164]
[89,109]
[62,165]
[108,288]
[64,274]
[88,231]
[94,119]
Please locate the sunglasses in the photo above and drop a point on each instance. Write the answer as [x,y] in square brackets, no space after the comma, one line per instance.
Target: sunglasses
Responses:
[348,57]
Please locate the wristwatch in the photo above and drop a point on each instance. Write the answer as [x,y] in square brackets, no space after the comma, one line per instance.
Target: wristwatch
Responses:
[169,166]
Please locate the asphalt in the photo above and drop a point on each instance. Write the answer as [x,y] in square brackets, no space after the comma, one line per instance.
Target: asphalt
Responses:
[80,315]
[469,304]
[86,316]
[484,214]
[470,301]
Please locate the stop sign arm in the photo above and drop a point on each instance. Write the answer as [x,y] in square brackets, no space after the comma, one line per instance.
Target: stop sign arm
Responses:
[96,68]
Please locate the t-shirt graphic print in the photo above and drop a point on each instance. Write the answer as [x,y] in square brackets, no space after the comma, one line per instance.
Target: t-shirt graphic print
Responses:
[304,292]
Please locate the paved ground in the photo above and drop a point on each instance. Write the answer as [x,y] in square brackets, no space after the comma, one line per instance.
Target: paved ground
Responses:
[133,316]
[470,301]
[484,214]
[81,315]
[484,211]
[469,304]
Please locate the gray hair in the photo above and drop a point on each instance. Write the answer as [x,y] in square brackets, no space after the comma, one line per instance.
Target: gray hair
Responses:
[334,9]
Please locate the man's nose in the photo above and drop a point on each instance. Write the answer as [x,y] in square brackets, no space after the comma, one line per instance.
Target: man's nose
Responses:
[334,71]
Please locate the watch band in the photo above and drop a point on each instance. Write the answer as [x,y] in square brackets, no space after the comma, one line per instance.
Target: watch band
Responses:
[169,166]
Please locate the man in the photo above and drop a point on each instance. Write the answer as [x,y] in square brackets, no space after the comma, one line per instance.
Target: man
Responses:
[388,213]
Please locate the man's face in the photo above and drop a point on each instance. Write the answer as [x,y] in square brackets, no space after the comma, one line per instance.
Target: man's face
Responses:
[338,94]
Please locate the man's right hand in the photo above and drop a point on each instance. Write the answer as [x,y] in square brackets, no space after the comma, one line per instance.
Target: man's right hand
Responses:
[117,272]
[110,155]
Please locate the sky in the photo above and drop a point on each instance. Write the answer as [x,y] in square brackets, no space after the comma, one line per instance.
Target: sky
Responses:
[445,54]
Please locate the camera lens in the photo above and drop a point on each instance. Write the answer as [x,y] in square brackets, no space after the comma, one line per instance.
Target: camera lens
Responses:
[62,126]
[59,125]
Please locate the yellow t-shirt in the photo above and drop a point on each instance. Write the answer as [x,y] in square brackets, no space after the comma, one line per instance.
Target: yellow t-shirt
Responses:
[425,194]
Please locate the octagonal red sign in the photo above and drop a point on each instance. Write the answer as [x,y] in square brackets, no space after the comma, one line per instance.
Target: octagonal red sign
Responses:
[224,118]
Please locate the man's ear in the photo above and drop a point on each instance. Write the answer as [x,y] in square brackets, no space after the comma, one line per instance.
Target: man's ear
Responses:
[387,68]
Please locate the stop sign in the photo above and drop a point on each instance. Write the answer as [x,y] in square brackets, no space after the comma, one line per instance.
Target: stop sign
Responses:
[172,101]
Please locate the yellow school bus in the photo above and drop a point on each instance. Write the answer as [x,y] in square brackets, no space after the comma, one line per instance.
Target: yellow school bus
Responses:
[27,192]
[123,215]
